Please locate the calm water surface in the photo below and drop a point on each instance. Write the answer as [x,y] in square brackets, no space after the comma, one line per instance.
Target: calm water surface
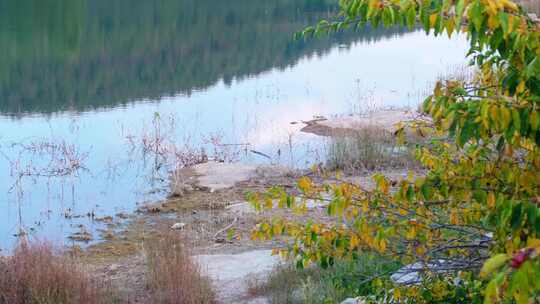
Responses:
[84,85]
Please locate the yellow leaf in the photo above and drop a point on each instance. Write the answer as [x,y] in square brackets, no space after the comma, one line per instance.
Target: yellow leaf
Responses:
[411,234]
[304,183]
[493,264]
[493,21]
[454,220]
[521,87]
[450,27]
[491,200]
[420,250]
[277,229]
[268,203]
[494,111]
[354,242]
[432,19]
[397,294]
[506,117]
[510,23]
[509,5]
[534,120]
[532,242]
[492,8]
[382,245]
[382,184]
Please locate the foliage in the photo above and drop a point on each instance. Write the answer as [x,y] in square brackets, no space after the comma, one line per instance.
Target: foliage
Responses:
[288,284]
[477,207]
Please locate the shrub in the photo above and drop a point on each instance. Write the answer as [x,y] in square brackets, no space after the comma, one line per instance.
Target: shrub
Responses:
[35,274]
[367,149]
[471,225]
[288,284]
[173,277]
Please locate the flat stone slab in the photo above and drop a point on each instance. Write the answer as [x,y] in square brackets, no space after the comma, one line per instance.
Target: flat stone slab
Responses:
[230,272]
[215,176]
[382,120]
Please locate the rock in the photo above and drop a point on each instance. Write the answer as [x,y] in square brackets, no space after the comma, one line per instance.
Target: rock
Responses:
[178,226]
[358,300]
[113,269]
[383,121]
[107,234]
[106,219]
[214,176]
[180,188]
[151,208]
[240,208]
[313,204]
[82,236]
[534,17]
[122,215]
[273,171]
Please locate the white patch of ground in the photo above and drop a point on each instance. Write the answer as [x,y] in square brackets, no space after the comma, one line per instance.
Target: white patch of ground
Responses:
[215,176]
[230,273]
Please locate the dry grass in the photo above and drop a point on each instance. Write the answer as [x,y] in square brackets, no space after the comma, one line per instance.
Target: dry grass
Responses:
[173,277]
[367,149]
[36,274]
[280,286]
[314,285]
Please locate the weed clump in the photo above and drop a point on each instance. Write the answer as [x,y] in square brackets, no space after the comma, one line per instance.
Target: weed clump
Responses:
[36,274]
[173,277]
[368,150]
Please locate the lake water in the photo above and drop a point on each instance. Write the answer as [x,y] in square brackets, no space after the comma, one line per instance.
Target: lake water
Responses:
[100,99]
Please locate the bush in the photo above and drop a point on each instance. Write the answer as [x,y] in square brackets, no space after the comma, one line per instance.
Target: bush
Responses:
[36,274]
[367,149]
[173,277]
[471,224]
[288,284]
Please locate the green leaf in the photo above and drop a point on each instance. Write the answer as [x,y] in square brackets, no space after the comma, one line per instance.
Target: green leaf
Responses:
[480,196]
[460,6]
[290,201]
[517,216]
[466,133]
[503,18]
[411,17]
[410,193]
[477,15]
[533,68]
[537,225]
[230,234]
[532,214]
[426,191]
[516,119]
[519,285]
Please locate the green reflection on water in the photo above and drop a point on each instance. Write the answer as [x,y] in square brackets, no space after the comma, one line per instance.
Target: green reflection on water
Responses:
[79,55]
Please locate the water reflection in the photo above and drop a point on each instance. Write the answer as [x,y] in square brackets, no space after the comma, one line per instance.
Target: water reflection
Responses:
[90,76]
[80,55]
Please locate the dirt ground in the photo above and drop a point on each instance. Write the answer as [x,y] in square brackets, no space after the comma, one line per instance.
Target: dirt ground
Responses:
[205,216]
